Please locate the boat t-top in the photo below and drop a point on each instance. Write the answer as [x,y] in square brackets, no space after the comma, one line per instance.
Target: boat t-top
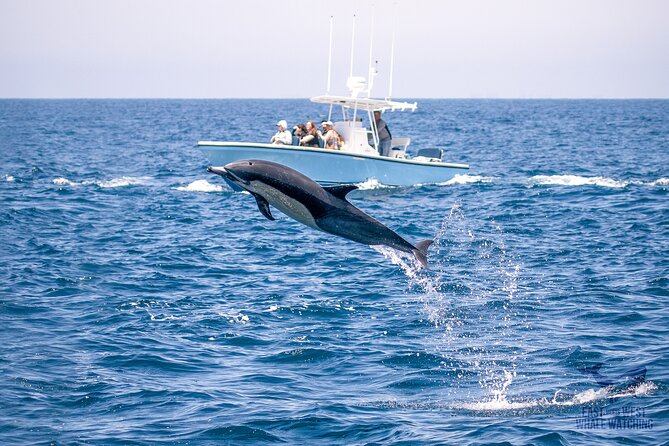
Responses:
[357,160]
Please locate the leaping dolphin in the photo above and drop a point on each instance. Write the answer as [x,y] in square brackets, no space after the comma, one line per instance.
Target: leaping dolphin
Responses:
[322,208]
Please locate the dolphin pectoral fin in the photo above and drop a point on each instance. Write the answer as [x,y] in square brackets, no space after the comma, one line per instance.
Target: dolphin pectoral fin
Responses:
[341,190]
[420,253]
[263,206]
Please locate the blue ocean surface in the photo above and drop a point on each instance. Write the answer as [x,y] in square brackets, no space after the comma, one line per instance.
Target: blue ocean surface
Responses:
[142,301]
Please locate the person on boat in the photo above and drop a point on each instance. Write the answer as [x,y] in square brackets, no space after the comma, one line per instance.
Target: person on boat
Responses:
[298,132]
[383,132]
[331,137]
[310,137]
[282,136]
[321,133]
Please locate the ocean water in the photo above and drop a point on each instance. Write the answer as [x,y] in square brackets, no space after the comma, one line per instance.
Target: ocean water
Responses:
[144,302]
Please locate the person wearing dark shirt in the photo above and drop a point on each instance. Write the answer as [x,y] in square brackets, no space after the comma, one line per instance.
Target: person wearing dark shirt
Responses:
[310,137]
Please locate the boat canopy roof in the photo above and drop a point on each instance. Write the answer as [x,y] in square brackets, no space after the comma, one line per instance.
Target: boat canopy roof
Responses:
[366,104]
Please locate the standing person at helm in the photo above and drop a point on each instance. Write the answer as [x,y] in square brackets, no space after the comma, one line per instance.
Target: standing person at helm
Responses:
[282,135]
[383,132]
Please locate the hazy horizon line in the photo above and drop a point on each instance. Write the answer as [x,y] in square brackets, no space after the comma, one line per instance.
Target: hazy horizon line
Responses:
[408,98]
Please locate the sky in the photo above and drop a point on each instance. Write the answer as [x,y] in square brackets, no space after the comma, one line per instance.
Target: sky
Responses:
[279,49]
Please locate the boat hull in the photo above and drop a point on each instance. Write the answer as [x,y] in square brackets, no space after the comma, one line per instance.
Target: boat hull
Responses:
[335,167]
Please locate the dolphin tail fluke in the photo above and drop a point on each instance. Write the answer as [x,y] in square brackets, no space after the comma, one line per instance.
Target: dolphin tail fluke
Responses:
[421,252]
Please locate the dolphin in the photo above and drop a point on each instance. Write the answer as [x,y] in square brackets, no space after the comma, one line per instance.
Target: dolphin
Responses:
[322,208]
[629,378]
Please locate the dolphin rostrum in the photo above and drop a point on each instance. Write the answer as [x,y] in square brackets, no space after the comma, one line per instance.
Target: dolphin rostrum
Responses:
[322,208]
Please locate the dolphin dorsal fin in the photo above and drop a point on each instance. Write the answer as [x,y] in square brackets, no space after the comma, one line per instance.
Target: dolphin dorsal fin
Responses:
[341,190]
[263,205]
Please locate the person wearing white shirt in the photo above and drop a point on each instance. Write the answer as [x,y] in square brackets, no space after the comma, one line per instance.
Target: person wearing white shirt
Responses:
[282,135]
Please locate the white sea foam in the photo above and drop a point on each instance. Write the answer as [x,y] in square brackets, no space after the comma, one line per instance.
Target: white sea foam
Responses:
[371,184]
[235,317]
[114,182]
[9,178]
[660,182]
[201,186]
[576,180]
[64,182]
[466,179]
[162,317]
[124,181]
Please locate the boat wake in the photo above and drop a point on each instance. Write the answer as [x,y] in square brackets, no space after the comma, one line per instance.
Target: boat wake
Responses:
[372,184]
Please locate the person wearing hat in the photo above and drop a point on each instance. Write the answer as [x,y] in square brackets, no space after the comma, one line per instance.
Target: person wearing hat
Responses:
[331,137]
[282,135]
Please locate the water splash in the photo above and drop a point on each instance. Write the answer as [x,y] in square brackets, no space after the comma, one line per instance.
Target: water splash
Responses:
[468,297]
[501,403]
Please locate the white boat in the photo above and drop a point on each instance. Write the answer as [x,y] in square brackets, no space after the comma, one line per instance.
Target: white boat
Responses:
[358,159]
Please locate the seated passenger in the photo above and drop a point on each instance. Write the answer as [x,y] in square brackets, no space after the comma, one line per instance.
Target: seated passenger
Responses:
[282,135]
[310,137]
[331,137]
[321,134]
[298,132]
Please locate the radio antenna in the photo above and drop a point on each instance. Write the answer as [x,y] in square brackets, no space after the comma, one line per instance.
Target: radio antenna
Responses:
[330,56]
[352,46]
[392,56]
[370,73]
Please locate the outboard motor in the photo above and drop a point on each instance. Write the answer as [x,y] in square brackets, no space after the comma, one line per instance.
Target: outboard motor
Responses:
[432,154]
